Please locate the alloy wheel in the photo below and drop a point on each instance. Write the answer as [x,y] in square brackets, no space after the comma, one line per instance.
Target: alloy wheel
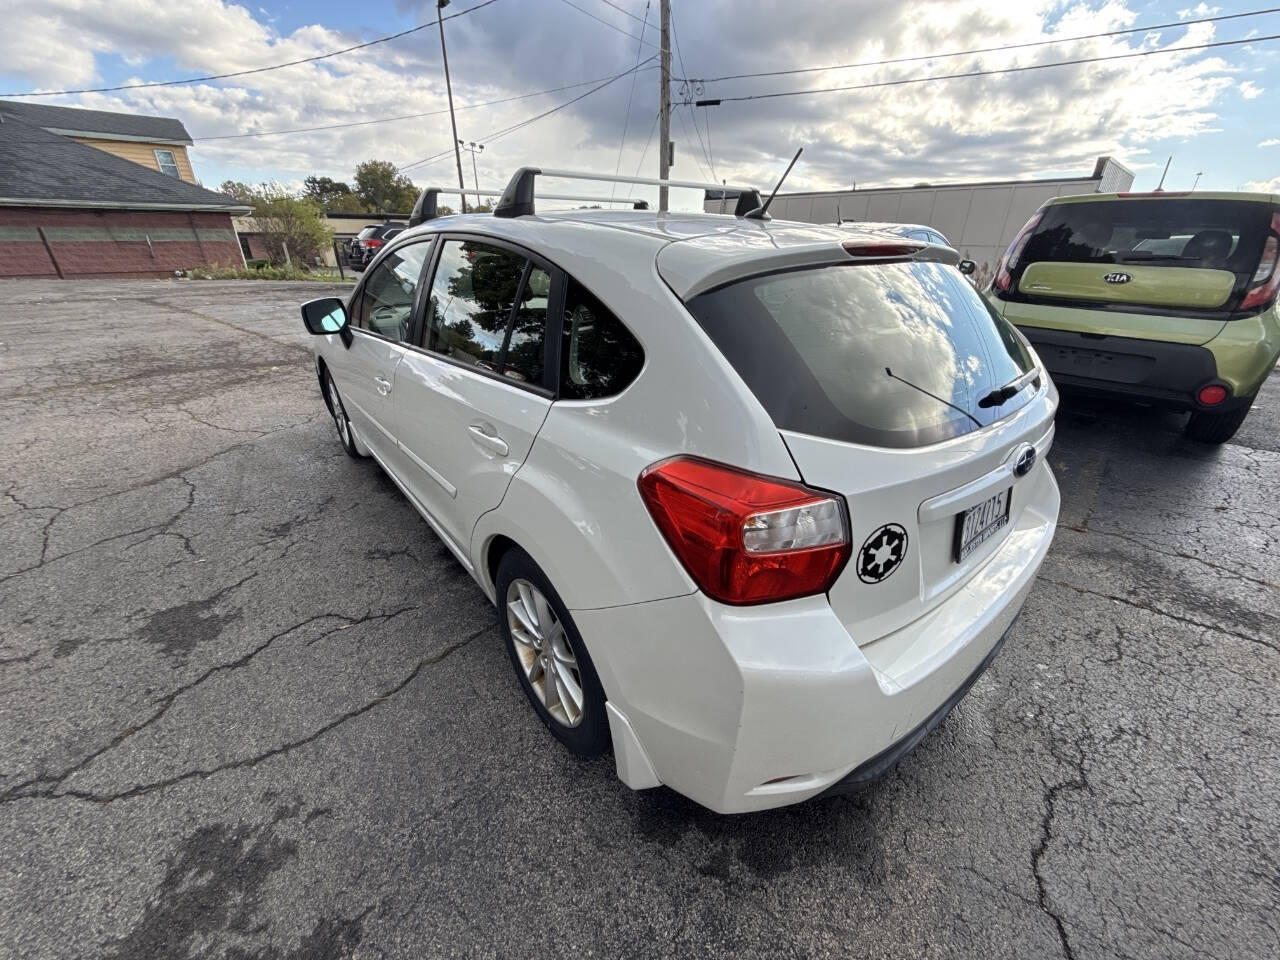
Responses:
[339,414]
[543,650]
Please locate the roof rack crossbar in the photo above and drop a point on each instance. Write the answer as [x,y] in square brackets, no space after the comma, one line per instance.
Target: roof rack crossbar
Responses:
[518,198]
[426,207]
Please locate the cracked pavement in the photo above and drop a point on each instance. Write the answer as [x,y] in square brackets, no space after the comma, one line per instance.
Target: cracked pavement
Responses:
[251,707]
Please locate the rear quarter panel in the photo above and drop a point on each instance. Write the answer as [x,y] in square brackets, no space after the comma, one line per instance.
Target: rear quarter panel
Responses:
[1246,350]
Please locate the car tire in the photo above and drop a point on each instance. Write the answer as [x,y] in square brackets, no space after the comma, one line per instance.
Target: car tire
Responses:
[1216,427]
[550,660]
[340,418]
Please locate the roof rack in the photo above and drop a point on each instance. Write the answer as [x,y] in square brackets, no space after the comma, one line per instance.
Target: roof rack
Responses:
[518,198]
[426,207]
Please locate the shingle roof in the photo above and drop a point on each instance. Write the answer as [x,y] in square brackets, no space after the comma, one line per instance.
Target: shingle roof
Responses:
[73,119]
[38,168]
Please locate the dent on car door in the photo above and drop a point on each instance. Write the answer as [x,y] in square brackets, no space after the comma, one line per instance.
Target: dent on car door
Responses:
[384,310]
[469,404]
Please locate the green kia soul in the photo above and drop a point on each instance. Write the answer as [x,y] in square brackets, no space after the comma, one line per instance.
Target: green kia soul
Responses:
[1168,298]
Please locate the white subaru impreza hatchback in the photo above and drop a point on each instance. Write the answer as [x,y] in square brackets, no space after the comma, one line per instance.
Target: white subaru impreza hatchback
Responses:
[757,501]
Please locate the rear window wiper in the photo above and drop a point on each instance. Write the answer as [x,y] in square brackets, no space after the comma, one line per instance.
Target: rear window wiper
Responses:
[1001,394]
[1142,257]
[934,395]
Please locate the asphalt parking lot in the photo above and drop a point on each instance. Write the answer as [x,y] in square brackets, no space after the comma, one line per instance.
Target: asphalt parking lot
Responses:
[251,707]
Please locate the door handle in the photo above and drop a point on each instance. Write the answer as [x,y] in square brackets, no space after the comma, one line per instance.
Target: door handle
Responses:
[383,384]
[490,441]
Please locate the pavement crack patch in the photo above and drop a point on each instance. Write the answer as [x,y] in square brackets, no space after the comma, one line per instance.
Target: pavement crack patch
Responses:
[1216,628]
[155,529]
[1180,555]
[23,791]
[1079,782]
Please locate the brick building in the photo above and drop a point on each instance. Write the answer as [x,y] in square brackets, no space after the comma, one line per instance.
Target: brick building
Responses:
[71,209]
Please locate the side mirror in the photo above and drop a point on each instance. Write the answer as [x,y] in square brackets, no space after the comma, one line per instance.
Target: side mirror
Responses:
[967,267]
[326,315]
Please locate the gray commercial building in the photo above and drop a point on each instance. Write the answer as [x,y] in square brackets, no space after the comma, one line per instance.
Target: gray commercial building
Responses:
[980,219]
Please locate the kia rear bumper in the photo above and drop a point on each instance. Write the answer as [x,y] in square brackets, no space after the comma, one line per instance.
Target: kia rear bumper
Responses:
[1166,374]
[747,708]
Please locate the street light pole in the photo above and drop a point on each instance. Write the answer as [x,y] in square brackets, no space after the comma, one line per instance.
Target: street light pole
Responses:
[473,148]
[444,55]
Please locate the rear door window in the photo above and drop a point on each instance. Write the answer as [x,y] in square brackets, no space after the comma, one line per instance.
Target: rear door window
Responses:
[890,355]
[526,346]
[474,289]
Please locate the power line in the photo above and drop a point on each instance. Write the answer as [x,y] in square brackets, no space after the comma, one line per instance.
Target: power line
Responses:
[245,73]
[609,3]
[407,116]
[675,34]
[626,116]
[611,26]
[645,152]
[693,153]
[989,73]
[968,53]
[497,134]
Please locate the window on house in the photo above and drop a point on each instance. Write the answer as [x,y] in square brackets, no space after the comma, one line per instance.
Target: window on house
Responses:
[168,163]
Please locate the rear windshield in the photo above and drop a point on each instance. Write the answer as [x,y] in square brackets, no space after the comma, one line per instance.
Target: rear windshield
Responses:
[890,355]
[1201,234]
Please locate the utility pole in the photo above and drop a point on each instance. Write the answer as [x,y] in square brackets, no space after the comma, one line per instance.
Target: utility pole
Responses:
[444,55]
[664,121]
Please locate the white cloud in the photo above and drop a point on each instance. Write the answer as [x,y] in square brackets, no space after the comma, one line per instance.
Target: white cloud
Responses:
[1017,125]
[1270,142]
[1199,10]
[1264,186]
[1250,90]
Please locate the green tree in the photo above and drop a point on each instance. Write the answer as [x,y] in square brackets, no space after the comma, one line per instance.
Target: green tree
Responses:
[327,192]
[238,191]
[382,190]
[294,228]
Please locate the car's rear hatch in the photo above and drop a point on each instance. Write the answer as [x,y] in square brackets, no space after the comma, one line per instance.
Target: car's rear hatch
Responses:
[879,377]
[1170,268]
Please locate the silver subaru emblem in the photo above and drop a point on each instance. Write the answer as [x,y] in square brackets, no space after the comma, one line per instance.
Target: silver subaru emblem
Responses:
[1026,460]
[1117,278]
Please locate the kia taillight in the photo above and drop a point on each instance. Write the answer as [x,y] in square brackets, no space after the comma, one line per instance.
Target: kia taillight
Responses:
[1265,283]
[745,538]
[1009,262]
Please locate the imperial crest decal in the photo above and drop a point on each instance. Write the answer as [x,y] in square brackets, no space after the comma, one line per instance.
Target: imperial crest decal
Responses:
[882,553]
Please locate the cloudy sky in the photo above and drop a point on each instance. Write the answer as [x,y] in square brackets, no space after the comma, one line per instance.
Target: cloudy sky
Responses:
[1212,110]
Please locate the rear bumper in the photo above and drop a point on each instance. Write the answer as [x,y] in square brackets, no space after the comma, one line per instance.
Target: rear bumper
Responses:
[1167,374]
[871,770]
[743,708]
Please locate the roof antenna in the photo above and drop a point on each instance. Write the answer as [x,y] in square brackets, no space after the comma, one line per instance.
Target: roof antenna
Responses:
[763,212]
[838,220]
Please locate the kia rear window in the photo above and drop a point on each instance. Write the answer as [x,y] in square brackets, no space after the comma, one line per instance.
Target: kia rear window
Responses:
[1206,234]
[889,355]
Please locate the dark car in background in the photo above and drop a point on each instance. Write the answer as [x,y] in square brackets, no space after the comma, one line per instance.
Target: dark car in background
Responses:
[365,245]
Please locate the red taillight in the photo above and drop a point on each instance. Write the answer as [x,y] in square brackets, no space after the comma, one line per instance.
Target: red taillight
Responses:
[1266,276]
[373,243]
[1212,395]
[1004,272]
[881,248]
[745,538]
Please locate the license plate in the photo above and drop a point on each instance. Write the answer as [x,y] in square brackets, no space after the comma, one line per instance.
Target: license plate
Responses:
[980,523]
